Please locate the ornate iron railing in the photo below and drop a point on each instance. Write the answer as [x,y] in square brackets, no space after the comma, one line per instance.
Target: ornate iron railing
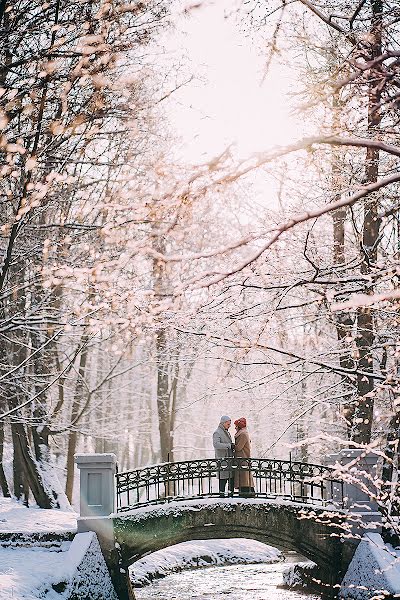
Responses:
[291,480]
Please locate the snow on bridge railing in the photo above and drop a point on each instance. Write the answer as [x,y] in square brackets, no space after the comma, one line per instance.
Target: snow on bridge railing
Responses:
[193,479]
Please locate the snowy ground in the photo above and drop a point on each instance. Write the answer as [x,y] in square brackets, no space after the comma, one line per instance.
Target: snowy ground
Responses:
[27,573]
[27,570]
[201,553]
[15,517]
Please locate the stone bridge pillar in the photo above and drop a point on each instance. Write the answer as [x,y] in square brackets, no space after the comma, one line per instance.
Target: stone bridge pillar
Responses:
[96,484]
[97,504]
[359,473]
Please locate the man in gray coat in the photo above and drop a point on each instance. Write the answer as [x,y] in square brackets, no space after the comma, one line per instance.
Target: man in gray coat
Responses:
[224,448]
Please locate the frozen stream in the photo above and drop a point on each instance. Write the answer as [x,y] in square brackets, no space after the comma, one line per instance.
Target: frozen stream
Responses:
[237,582]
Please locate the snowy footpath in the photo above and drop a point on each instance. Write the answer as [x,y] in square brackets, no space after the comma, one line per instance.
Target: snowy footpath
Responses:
[31,558]
[15,517]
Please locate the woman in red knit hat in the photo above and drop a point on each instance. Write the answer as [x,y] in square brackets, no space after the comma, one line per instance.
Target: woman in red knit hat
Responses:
[243,477]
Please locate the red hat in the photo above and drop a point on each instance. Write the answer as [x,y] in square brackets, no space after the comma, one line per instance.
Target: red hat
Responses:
[241,422]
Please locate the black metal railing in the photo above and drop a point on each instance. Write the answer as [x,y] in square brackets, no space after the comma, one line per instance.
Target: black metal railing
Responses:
[291,480]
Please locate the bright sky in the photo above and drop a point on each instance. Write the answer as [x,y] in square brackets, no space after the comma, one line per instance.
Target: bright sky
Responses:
[228,101]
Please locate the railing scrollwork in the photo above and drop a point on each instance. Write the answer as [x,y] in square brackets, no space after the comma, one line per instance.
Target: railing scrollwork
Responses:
[290,480]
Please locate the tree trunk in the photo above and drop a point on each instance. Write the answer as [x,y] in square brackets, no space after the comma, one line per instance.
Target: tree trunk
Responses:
[72,434]
[343,321]
[3,481]
[173,393]
[25,467]
[69,485]
[391,454]
[43,363]
[21,488]
[163,397]
[26,471]
[361,433]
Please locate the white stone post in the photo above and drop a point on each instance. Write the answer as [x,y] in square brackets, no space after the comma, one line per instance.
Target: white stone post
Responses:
[359,491]
[358,486]
[97,504]
[97,485]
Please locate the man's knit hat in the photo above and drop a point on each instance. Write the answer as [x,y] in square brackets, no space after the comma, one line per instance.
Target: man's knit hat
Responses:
[224,419]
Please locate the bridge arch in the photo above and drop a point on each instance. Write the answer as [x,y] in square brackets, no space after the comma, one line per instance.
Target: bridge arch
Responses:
[298,506]
[311,531]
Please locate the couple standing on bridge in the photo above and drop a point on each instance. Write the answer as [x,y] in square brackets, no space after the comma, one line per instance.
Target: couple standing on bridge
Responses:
[225,447]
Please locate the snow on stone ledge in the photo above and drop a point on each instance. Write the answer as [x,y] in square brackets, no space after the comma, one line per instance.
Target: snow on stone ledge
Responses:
[374,571]
[177,507]
[16,518]
[200,553]
[85,572]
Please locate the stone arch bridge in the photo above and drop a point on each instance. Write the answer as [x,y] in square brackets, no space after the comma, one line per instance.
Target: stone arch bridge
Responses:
[296,506]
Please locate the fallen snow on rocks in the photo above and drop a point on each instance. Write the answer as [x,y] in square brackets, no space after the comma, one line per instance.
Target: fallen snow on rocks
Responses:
[74,570]
[201,554]
[33,547]
[374,572]
[85,571]
[299,575]
[38,561]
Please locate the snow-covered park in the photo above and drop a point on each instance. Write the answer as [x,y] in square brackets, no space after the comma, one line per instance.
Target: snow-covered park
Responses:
[199,295]
[33,566]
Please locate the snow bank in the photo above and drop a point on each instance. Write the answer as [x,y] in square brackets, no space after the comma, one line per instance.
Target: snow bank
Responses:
[16,518]
[85,572]
[72,571]
[38,561]
[299,575]
[374,572]
[28,573]
[201,554]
